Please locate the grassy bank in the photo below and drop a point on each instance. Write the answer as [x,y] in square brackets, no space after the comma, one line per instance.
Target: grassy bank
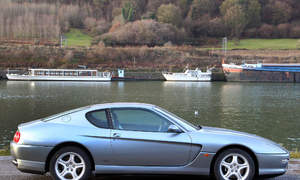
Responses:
[4,152]
[76,38]
[295,154]
[272,44]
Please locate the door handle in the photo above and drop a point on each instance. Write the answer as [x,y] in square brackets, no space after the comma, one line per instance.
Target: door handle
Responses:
[116,135]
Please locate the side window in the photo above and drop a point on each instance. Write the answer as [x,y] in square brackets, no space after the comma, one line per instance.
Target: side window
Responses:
[98,118]
[139,120]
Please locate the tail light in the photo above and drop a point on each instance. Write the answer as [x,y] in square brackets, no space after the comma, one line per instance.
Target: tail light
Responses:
[17,136]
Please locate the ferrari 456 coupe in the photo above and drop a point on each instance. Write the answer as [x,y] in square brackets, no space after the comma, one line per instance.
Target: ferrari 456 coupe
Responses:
[135,138]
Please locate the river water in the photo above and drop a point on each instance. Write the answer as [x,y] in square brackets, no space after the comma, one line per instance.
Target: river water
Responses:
[271,110]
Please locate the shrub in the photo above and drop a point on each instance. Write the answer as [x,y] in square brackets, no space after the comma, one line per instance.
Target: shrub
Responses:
[90,23]
[265,31]
[149,15]
[235,20]
[283,30]
[169,13]
[216,27]
[198,28]
[114,27]
[144,32]
[295,32]
[277,12]
[184,6]
[250,33]
[227,4]
[101,27]
[202,7]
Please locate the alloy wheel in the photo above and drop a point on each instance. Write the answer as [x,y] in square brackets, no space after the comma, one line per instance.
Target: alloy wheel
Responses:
[234,167]
[70,166]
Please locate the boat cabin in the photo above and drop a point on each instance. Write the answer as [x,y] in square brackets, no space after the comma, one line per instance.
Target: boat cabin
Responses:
[66,72]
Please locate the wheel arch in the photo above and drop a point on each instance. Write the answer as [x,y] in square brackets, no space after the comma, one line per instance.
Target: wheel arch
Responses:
[236,146]
[65,144]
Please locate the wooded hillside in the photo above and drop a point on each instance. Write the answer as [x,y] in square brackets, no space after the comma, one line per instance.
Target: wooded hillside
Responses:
[148,22]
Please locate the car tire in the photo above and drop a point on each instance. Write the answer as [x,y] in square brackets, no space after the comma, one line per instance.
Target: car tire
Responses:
[234,164]
[70,163]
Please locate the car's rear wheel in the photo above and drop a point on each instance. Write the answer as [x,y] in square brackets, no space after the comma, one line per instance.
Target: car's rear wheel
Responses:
[234,164]
[70,163]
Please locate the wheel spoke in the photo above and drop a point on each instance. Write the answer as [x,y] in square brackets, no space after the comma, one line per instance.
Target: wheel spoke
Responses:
[235,159]
[79,165]
[72,158]
[74,175]
[243,166]
[62,162]
[64,172]
[239,176]
[225,164]
[228,174]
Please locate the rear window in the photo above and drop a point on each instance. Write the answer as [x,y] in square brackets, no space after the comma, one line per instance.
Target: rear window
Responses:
[49,118]
[98,118]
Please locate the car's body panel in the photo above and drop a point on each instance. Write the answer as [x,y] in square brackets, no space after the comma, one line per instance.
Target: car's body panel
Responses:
[123,151]
[133,148]
[197,167]
[217,138]
[28,157]
[272,163]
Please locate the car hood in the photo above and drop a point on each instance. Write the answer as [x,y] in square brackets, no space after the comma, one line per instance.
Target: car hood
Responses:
[215,130]
[216,138]
[236,133]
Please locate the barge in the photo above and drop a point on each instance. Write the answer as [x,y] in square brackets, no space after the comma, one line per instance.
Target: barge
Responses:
[286,73]
[61,75]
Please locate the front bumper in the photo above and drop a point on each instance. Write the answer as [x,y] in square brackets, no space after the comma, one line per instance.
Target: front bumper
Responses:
[29,158]
[273,164]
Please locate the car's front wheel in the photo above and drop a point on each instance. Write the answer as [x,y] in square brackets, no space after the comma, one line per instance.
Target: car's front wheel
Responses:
[234,164]
[70,163]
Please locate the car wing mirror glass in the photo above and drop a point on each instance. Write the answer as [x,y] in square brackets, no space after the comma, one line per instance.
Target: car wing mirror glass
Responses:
[174,129]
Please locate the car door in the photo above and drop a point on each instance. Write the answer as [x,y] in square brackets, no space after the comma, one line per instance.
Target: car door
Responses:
[97,140]
[140,138]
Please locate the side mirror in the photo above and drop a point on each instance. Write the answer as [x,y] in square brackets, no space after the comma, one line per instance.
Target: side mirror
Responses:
[174,129]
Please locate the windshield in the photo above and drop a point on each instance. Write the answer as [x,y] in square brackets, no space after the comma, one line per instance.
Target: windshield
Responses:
[179,118]
[49,118]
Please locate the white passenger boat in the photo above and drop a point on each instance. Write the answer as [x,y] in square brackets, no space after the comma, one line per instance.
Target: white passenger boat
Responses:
[61,75]
[189,75]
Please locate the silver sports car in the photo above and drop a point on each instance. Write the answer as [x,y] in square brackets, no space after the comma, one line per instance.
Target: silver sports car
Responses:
[134,138]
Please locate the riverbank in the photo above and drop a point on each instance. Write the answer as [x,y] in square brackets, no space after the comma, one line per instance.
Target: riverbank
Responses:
[4,152]
[141,58]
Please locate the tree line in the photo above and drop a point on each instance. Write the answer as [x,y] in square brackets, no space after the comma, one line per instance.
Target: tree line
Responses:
[109,21]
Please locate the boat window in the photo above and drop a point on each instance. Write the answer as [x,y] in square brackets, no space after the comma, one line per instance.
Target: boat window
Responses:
[98,118]
[136,119]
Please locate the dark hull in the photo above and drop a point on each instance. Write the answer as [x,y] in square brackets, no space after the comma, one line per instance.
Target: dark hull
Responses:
[263,76]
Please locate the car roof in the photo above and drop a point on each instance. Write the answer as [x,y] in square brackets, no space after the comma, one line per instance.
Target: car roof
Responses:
[122,105]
